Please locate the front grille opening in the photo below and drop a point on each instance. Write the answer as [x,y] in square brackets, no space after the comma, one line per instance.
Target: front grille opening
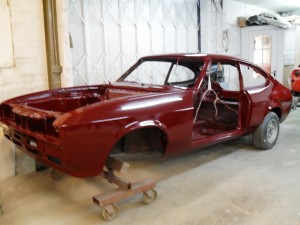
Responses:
[36,125]
[17,142]
[16,136]
[7,112]
[54,159]
[17,119]
[32,150]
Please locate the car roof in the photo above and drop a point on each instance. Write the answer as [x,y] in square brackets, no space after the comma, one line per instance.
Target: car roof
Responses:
[195,55]
[202,56]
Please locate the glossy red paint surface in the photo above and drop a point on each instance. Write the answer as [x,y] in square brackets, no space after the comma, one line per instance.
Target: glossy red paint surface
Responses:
[295,80]
[75,129]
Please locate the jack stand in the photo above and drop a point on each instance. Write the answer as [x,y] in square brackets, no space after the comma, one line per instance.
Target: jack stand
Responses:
[107,201]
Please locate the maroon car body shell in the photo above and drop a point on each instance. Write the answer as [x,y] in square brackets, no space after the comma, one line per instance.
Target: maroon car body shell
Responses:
[75,129]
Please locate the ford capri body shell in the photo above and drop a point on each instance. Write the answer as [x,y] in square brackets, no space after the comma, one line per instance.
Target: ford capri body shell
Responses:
[187,107]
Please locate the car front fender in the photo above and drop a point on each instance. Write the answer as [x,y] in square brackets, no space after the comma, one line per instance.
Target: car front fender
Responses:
[141,124]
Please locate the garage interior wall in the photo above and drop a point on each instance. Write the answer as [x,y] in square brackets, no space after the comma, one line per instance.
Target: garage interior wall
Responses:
[297,46]
[232,41]
[107,37]
[28,74]
[6,53]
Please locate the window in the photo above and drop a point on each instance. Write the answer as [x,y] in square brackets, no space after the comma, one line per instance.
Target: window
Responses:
[6,47]
[262,51]
[226,75]
[181,74]
[251,78]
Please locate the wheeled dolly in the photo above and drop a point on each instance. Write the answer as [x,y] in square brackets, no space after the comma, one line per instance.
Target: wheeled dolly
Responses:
[55,174]
[107,201]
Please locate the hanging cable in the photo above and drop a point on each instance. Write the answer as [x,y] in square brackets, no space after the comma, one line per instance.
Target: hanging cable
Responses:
[217,99]
[225,40]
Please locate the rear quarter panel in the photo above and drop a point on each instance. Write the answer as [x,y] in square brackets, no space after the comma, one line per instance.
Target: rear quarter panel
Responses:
[260,103]
[281,98]
[273,97]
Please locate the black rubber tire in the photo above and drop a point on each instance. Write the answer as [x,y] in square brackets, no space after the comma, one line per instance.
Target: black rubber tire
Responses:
[269,127]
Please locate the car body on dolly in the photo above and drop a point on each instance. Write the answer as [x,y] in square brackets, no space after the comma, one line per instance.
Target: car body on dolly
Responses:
[169,104]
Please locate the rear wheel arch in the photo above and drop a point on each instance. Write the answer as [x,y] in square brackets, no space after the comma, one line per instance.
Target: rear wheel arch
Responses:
[277,111]
[265,136]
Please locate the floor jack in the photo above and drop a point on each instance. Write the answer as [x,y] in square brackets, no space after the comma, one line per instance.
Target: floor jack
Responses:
[107,201]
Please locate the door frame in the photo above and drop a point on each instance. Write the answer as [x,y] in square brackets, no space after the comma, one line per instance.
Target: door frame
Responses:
[248,33]
[274,36]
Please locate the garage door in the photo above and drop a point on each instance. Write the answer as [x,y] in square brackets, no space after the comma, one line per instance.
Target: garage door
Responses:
[110,35]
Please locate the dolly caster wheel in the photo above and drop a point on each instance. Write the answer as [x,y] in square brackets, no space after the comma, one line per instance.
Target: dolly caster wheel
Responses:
[149,196]
[55,174]
[110,212]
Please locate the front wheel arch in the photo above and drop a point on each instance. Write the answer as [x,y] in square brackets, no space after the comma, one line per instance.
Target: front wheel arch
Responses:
[142,140]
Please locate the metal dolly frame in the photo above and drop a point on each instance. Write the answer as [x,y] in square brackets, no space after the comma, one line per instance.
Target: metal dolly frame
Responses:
[107,201]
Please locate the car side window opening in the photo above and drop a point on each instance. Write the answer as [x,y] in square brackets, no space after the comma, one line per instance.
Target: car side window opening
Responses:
[252,78]
[218,106]
[226,75]
[231,81]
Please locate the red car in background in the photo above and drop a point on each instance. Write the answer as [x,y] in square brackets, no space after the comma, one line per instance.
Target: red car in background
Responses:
[169,104]
[295,81]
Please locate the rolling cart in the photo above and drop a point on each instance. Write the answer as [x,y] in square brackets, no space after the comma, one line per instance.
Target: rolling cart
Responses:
[108,201]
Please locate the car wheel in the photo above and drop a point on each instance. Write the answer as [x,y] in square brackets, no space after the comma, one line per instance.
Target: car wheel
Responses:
[266,134]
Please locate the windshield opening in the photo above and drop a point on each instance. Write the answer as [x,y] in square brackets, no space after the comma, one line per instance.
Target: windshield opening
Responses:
[173,72]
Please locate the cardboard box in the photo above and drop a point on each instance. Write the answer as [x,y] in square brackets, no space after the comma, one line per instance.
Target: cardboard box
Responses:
[242,21]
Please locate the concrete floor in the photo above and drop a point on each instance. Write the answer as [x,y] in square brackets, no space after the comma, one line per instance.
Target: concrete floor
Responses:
[228,184]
